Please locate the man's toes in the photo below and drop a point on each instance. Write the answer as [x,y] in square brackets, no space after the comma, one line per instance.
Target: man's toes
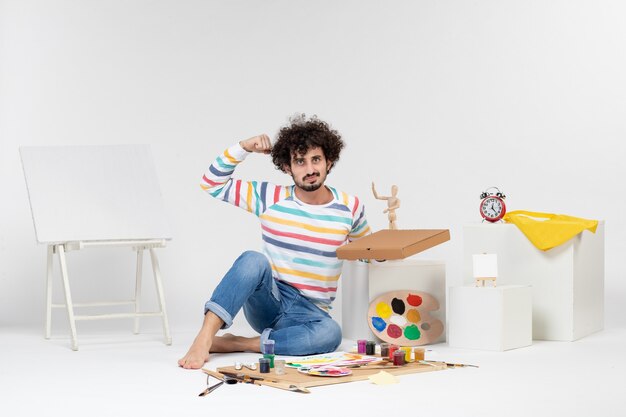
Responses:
[193,365]
[186,362]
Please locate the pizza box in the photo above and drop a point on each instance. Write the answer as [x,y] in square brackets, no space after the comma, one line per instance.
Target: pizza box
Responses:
[393,244]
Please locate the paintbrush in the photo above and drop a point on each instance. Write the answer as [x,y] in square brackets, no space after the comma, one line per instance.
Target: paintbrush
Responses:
[372,365]
[248,379]
[450,365]
[365,367]
[460,365]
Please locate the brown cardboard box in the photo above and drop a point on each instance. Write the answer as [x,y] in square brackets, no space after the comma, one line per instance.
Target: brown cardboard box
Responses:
[393,244]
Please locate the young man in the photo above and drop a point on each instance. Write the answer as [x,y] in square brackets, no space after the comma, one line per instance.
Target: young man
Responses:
[285,291]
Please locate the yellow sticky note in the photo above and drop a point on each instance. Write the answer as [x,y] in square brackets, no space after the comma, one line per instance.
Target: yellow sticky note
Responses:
[383,378]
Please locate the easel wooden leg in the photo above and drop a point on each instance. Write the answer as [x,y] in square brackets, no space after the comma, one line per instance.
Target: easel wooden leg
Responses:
[68,295]
[138,275]
[49,291]
[159,288]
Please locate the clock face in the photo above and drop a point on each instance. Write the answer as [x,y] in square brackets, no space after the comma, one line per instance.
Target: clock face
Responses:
[492,209]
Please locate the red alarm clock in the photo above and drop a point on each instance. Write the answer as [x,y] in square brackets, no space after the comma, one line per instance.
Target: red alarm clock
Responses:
[492,207]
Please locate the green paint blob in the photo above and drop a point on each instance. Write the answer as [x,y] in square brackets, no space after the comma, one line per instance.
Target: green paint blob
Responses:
[412,332]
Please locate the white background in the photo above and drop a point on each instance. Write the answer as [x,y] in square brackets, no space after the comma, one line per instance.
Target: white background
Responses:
[443,98]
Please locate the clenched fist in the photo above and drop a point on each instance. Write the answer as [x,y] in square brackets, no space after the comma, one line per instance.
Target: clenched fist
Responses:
[259,144]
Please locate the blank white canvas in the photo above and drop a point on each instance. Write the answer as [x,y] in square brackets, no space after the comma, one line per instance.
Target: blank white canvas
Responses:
[89,193]
[485,265]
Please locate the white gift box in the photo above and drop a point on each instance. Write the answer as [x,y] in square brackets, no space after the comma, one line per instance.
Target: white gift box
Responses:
[490,318]
[567,281]
[412,274]
[363,282]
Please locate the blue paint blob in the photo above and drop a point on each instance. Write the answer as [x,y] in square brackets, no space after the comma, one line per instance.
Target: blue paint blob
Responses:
[378,323]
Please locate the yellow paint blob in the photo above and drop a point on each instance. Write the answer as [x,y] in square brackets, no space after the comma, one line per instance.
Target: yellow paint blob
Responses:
[383,310]
[413,316]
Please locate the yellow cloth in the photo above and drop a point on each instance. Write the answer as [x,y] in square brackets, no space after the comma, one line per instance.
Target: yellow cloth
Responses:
[546,230]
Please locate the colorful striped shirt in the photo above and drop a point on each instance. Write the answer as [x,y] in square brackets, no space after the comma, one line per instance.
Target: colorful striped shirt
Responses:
[300,240]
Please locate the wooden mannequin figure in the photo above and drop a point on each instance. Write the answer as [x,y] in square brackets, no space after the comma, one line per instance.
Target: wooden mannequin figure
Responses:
[393,203]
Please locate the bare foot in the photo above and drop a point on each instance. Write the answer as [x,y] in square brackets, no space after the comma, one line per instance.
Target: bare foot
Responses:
[225,343]
[231,343]
[197,355]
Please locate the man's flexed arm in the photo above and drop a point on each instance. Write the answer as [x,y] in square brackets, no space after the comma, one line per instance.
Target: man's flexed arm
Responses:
[218,182]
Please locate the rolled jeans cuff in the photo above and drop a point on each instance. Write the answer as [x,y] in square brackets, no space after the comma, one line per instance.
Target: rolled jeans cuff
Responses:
[219,312]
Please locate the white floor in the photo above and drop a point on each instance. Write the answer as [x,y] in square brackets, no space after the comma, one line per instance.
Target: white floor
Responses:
[116,373]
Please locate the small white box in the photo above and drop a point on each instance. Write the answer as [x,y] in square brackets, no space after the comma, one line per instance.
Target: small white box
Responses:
[411,274]
[490,318]
[363,282]
[567,281]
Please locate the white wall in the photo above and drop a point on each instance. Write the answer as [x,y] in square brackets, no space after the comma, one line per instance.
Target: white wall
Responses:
[443,98]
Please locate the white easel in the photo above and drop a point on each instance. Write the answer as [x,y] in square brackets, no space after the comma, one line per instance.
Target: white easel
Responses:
[96,196]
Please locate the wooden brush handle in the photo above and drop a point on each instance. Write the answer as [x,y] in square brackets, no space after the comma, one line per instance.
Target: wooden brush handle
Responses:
[282,385]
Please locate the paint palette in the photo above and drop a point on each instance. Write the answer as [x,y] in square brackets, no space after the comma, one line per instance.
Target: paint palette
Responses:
[403,318]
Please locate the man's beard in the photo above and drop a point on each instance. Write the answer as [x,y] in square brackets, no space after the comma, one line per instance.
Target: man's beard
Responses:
[309,187]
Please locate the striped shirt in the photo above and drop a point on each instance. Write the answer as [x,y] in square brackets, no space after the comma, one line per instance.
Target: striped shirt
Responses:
[300,240]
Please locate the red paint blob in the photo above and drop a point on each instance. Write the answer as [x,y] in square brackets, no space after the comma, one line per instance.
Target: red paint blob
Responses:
[394,331]
[414,300]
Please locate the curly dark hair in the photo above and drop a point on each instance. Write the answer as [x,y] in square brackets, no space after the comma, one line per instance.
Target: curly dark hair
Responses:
[302,134]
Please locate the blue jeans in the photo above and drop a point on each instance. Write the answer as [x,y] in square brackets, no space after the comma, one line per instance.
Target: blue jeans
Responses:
[276,310]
